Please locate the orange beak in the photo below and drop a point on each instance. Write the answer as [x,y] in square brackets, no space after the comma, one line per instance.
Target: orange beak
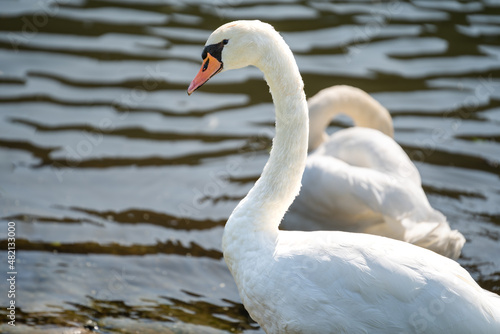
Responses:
[209,68]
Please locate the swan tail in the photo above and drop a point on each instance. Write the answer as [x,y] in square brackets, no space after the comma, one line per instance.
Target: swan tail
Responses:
[437,237]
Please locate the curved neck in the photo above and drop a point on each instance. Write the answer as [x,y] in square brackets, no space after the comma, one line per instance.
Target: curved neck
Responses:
[266,203]
[363,109]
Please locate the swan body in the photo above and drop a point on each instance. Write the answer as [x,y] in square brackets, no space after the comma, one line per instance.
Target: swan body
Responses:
[360,180]
[326,281]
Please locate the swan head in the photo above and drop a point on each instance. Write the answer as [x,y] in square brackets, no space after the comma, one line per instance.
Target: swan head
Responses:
[234,45]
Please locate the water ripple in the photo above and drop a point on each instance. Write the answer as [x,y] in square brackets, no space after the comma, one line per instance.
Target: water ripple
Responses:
[120,184]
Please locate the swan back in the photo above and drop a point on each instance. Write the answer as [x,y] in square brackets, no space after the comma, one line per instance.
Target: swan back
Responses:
[369,148]
[363,109]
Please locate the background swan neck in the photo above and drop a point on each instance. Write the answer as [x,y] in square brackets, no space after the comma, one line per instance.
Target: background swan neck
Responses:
[266,203]
[363,109]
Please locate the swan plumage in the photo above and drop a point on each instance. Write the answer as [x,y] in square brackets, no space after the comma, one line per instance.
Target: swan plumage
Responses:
[326,281]
[360,180]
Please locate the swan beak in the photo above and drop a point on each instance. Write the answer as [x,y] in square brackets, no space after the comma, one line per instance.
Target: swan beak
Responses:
[210,67]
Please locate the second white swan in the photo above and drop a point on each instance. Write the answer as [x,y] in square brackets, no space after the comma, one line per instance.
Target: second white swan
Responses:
[360,180]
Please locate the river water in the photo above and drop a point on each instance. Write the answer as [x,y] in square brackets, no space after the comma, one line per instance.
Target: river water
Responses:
[119,184]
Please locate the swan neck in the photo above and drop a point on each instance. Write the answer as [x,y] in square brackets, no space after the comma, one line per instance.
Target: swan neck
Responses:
[353,102]
[266,203]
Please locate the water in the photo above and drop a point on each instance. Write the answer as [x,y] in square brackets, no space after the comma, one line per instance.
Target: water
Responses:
[120,184]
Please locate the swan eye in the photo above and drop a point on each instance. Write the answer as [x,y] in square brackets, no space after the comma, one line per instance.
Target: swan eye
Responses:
[205,66]
[215,50]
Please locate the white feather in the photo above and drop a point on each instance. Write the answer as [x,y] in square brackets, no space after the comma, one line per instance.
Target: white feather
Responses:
[326,281]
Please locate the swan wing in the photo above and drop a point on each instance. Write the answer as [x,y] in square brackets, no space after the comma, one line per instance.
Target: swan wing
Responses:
[333,188]
[338,196]
[369,148]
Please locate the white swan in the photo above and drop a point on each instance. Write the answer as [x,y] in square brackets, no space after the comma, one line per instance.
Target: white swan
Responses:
[360,180]
[326,281]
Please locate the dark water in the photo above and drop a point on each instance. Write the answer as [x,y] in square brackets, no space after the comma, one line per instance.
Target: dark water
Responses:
[120,184]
